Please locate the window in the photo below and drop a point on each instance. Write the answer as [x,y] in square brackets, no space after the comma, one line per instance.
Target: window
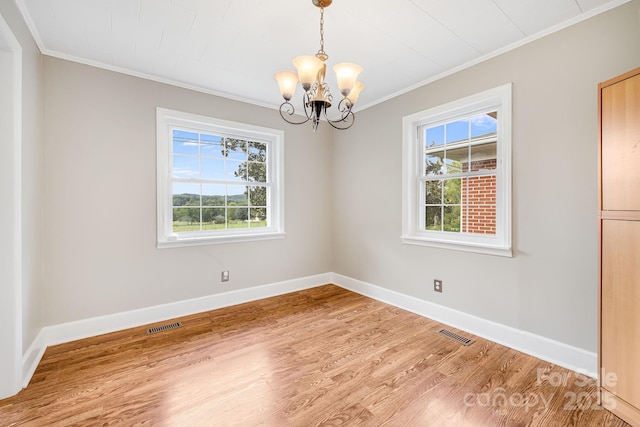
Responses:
[457,174]
[218,181]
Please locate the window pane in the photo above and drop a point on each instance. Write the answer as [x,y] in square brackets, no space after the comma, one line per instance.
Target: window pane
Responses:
[236,195]
[480,214]
[434,136]
[451,219]
[457,131]
[185,167]
[482,190]
[185,142]
[186,219]
[211,146]
[257,152]
[219,219]
[258,217]
[186,200]
[236,170]
[257,196]
[433,192]
[236,149]
[433,218]
[481,219]
[186,194]
[457,159]
[237,217]
[212,168]
[452,166]
[484,156]
[213,219]
[433,163]
[214,195]
[484,124]
[452,191]
[257,172]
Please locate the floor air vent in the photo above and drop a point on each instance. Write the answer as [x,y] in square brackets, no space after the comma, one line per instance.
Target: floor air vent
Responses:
[454,336]
[157,329]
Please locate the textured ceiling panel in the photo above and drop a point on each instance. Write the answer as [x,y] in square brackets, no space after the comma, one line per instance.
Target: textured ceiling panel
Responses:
[532,16]
[233,47]
[481,23]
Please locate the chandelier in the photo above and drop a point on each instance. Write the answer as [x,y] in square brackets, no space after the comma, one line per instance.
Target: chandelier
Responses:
[317,98]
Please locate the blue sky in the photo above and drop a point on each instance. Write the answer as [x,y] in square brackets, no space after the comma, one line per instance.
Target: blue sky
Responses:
[480,124]
[186,163]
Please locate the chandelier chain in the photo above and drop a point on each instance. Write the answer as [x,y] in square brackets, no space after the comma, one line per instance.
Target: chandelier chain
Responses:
[322,29]
[322,55]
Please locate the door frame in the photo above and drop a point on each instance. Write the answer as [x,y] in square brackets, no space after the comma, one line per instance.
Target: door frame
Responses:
[11,371]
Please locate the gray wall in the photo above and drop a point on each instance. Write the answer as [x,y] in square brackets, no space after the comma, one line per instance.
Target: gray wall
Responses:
[100,199]
[549,287]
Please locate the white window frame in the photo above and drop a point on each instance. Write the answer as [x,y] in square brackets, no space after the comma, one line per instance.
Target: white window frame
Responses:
[413,233]
[166,121]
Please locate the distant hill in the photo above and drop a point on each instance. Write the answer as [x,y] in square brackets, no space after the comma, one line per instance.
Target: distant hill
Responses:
[187,199]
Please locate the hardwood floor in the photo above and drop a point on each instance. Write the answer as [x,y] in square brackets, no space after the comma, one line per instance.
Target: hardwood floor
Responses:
[324,356]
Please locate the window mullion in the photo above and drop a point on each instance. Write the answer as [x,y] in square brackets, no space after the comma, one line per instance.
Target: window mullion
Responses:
[200,172]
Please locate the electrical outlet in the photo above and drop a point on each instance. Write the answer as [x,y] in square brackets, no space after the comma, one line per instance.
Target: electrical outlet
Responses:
[437,285]
[224,277]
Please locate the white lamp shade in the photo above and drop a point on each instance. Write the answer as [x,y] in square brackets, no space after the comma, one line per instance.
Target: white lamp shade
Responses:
[287,81]
[347,74]
[355,93]
[308,67]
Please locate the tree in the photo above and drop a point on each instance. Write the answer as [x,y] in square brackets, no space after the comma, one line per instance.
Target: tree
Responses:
[443,193]
[252,169]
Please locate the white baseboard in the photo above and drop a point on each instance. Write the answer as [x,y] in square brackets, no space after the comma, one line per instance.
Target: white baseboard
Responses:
[32,357]
[543,348]
[555,352]
[72,331]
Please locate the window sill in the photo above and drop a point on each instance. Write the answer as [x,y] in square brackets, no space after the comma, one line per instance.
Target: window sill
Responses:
[213,240]
[481,248]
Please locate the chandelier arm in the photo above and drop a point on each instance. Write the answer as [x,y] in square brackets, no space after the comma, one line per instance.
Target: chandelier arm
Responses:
[348,119]
[344,107]
[287,108]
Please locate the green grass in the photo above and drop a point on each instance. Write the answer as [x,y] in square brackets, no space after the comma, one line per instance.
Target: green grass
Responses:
[454,228]
[179,227]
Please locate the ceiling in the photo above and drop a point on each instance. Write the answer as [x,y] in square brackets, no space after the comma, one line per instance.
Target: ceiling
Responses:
[233,47]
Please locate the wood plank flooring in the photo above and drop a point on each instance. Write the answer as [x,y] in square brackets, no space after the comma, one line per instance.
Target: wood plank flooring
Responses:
[320,357]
